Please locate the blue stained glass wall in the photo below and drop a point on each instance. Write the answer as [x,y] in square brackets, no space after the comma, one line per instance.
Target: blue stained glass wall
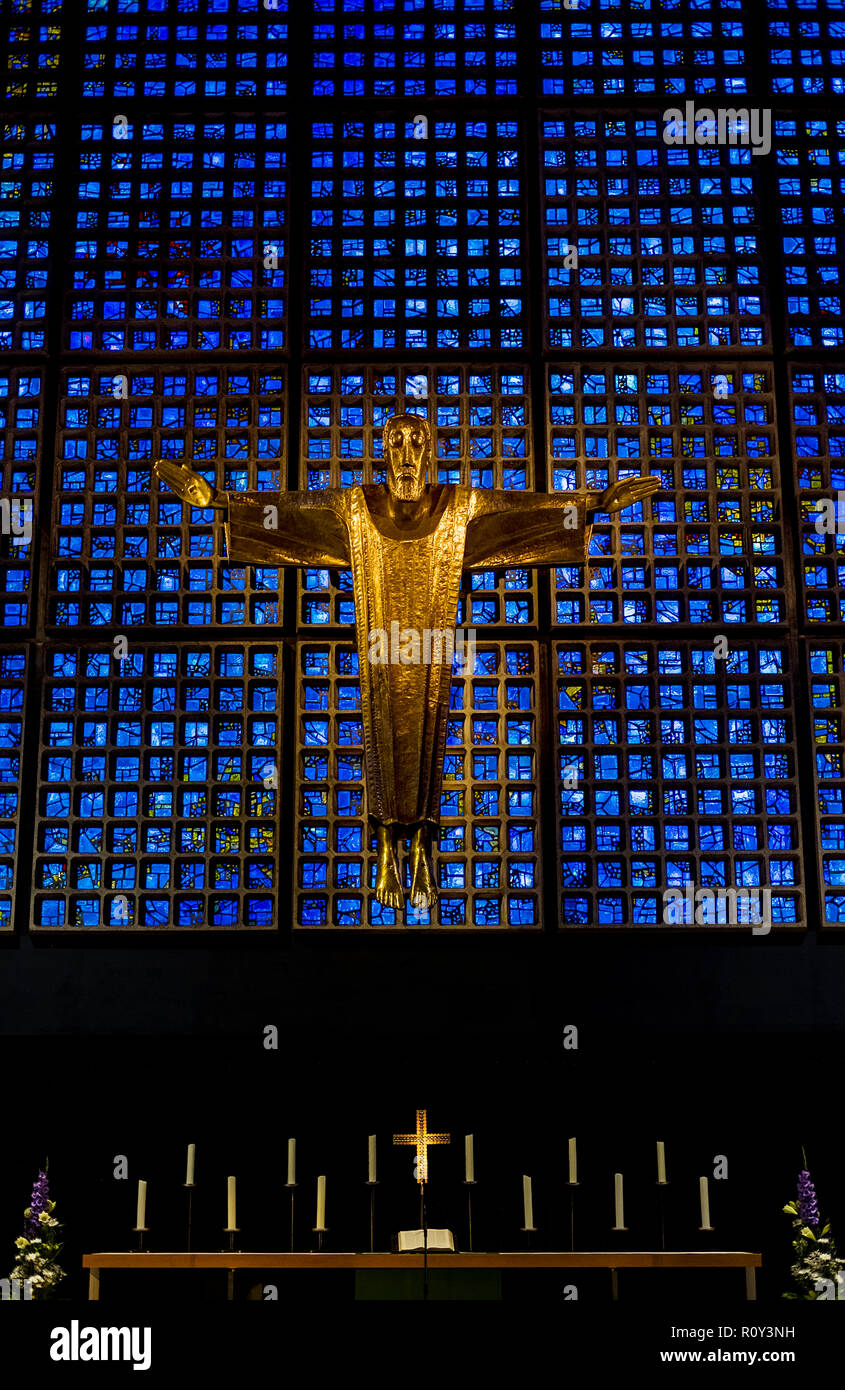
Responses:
[817,402]
[184,48]
[488,861]
[27,211]
[624,50]
[34,49]
[158,788]
[409,48]
[676,767]
[181,236]
[13,684]
[127,553]
[826,672]
[21,413]
[484,221]
[708,548]
[806,47]
[416,234]
[666,237]
[809,155]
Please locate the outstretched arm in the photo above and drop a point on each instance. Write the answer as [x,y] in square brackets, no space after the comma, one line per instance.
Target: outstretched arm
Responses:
[278,528]
[529,528]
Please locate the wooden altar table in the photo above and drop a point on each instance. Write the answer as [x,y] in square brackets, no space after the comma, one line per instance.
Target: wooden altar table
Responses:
[614,1260]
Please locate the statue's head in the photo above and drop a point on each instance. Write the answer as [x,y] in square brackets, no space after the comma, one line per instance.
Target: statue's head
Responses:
[406,440]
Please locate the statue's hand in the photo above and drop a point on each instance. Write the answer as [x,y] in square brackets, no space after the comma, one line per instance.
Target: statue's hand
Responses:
[625,494]
[187,484]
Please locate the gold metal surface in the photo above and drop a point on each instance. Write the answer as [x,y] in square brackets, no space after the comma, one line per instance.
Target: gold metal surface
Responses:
[421,1138]
[407,543]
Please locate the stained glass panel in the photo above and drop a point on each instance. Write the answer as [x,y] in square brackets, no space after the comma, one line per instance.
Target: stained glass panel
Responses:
[13,672]
[636,49]
[181,235]
[127,552]
[708,547]
[676,766]
[158,792]
[648,244]
[489,852]
[27,213]
[416,237]
[185,48]
[21,412]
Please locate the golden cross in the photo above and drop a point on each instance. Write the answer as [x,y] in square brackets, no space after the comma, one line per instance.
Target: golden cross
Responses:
[421,1140]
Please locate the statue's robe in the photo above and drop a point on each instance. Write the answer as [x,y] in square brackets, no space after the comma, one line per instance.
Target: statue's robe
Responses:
[412,580]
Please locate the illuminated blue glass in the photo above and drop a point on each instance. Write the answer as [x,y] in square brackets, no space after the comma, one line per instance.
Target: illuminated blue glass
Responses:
[676,224]
[12,698]
[159,562]
[415,243]
[443,48]
[596,689]
[611,49]
[34,50]
[810,203]
[26,212]
[166,257]
[171,52]
[482,859]
[184,805]
[20,440]
[710,437]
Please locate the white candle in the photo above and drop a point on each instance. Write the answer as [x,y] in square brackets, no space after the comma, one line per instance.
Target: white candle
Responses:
[140,1221]
[527,1203]
[704,1194]
[371,1159]
[620,1207]
[230,1193]
[573,1162]
[661,1161]
[469,1158]
[321,1204]
[189,1175]
[291,1162]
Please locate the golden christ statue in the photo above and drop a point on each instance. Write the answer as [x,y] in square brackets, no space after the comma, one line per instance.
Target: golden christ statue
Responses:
[407,543]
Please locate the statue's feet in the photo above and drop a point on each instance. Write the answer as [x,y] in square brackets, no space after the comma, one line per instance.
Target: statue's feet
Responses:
[388,883]
[423,889]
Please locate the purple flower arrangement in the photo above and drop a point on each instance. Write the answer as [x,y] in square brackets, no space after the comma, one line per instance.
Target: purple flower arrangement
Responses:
[40,1201]
[817,1272]
[808,1207]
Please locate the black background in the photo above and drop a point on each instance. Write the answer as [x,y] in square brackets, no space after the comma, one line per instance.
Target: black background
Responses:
[727,1047]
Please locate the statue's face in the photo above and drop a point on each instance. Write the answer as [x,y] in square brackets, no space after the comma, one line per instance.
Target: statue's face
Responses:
[406,457]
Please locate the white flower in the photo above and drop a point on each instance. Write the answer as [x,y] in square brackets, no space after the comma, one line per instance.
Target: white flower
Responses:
[21,1242]
[43,1217]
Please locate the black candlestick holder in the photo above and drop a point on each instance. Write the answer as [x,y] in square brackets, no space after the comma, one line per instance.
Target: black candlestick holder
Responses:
[231,1232]
[661,1186]
[189,1188]
[140,1232]
[572,1186]
[528,1231]
[319,1232]
[469,1184]
[291,1186]
[372,1184]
